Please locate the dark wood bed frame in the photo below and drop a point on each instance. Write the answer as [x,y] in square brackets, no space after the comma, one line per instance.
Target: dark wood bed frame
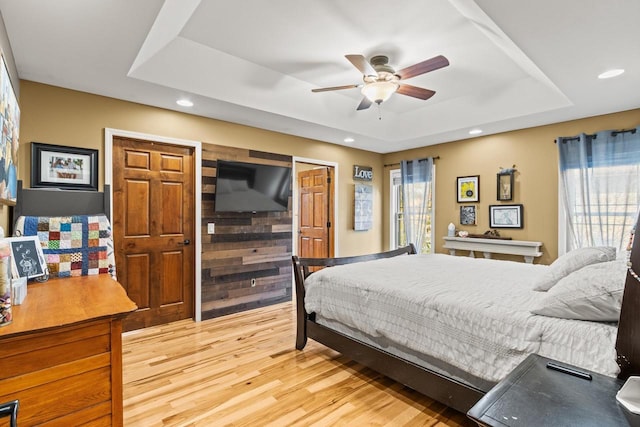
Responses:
[448,391]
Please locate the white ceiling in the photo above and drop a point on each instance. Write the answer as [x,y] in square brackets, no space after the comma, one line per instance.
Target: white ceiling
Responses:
[514,64]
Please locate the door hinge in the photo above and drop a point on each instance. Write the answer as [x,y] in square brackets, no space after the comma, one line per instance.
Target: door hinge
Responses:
[328,225]
[328,180]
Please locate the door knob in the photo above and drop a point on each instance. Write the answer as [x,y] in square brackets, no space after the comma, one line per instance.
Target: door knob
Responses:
[185,242]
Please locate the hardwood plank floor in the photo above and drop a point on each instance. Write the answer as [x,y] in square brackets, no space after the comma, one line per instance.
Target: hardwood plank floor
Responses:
[243,370]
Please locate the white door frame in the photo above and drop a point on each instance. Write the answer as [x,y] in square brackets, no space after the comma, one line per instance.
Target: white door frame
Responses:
[109,134]
[296,197]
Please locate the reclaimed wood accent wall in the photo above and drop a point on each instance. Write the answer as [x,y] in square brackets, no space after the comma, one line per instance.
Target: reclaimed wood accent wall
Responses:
[246,263]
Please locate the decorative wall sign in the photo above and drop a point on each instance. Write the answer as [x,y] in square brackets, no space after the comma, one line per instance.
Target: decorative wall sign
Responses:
[468,189]
[10,124]
[363,207]
[364,173]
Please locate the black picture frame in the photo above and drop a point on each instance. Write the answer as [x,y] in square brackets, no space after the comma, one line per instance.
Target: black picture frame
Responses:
[58,166]
[506,216]
[504,186]
[468,215]
[468,189]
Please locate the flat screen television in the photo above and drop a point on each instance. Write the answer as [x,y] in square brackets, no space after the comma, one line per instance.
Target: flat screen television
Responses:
[251,187]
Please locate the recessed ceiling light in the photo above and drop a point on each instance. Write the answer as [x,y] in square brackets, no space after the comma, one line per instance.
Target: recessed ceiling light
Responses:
[349,140]
[184,103]
[611,73]
[475,131]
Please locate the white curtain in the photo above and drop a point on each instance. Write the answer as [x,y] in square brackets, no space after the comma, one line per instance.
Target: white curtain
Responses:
[599,188]
[416,195]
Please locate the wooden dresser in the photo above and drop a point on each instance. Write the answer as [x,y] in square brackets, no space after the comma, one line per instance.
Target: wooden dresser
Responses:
[62,355]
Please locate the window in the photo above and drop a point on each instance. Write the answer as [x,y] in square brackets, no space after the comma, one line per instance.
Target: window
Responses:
[398,237]
[599,189]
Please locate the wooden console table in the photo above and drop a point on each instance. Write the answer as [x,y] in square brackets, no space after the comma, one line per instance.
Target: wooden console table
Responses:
[529,250]
[62,355]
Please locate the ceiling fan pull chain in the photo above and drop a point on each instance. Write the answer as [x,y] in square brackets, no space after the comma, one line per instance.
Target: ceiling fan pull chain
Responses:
[379,111]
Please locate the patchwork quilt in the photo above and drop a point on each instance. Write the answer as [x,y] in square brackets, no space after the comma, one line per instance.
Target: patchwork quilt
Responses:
[78,245]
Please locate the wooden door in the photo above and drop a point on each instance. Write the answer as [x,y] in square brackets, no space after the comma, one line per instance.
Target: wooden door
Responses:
[153,215]
[315,213]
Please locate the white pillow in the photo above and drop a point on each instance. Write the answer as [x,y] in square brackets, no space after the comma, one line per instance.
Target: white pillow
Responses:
[573,261]
[591,293]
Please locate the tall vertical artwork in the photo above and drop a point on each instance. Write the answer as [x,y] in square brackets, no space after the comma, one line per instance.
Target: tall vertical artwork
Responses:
[9,140]
[363,209]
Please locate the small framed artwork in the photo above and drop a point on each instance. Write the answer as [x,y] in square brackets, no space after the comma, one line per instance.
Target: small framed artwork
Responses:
[505,186]
[506,216]
[468,215]
[27,259]
[468,189]
[58,166]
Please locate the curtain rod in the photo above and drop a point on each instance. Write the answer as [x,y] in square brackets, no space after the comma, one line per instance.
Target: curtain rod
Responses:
[593,135]
[615,132]
[421,160]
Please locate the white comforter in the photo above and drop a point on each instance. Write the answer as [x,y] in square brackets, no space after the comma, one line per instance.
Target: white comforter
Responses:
[471,313]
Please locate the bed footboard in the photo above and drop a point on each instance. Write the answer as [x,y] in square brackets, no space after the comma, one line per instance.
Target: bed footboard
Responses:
[303,267]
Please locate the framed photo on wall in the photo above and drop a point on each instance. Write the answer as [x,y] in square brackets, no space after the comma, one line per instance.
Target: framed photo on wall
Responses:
[58,166]
[505,216]
[468,215]
[505,186]
[468,189]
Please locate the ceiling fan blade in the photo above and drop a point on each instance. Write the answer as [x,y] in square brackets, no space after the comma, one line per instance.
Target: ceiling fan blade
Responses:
[326,89]
[423,67]
[416,92]
[362,64]
[364,104]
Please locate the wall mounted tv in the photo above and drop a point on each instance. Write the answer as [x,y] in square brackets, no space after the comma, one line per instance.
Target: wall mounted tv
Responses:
[251,187]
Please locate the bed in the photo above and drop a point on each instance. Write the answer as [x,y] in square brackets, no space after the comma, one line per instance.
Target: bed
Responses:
[441,367]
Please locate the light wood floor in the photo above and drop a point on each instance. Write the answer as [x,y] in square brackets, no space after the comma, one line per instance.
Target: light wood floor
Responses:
[243,370]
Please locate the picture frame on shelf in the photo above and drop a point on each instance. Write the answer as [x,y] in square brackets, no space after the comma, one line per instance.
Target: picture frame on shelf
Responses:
[58,166]
[27,258]
[468,215]
[505,186]
[468,189]
[506,216]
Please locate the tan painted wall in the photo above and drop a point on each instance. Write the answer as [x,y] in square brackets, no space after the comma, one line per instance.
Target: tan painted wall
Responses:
[536,182]
[64,117]
[58,116]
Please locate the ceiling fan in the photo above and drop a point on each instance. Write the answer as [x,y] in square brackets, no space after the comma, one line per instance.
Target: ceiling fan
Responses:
[381,80]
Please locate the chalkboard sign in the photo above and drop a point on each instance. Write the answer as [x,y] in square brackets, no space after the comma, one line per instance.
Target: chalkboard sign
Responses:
[26,257]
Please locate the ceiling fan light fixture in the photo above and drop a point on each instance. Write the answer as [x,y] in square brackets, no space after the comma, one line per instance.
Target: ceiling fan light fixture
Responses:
[380,91]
